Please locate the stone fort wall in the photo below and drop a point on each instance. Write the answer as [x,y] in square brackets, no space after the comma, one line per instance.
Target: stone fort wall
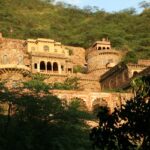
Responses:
[92,99]
[13,51]
[17,62]
[100,58]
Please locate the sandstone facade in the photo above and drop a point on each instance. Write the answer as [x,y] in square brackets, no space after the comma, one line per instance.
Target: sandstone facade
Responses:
[119,75]
[21,58]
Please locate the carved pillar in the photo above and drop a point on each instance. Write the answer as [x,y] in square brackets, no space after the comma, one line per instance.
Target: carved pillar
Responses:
[46,67]
[52,66]
[59,68]
[38,67]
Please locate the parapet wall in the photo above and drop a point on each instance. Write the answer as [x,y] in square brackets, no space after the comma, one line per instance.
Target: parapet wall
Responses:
[13,51]
[145,62]
[91,98]
[85,84]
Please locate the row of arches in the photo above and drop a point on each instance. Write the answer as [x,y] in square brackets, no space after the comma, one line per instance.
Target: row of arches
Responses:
[103,48]
[95,105]
[51,67]
[48,66]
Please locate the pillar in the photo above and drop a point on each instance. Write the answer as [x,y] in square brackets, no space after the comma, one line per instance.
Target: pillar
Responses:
[52,66]
[59,68]
[46,67]
[38,67]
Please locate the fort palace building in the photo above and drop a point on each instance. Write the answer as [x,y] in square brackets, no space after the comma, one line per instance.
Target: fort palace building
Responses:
[101,62]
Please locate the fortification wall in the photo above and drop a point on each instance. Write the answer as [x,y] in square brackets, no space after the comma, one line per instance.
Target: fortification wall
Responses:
[56,78]
[100,58]
[145,62]
[13,51]
[91,98]
[78,55]
[13,78]
[86,83]
[115,79]
[97,73]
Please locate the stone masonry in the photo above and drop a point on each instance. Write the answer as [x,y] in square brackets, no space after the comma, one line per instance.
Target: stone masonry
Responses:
[21,58]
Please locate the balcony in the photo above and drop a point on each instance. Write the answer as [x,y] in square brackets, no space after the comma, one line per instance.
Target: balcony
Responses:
[14,67]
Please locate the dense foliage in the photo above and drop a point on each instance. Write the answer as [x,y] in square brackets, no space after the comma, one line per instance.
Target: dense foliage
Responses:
[126,29]
[33,119]
[126,128]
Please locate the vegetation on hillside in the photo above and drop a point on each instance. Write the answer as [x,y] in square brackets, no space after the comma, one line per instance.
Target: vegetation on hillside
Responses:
[71,25]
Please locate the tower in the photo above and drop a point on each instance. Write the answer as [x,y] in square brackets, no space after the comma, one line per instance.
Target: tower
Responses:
[102,57]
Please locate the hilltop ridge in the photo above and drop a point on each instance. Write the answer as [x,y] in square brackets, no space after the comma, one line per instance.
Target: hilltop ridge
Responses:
[77,27]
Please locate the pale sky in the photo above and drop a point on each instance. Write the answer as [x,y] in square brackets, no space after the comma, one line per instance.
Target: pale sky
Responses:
[108,5]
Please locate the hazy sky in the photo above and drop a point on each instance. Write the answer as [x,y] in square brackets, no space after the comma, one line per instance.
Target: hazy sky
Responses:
[108,5]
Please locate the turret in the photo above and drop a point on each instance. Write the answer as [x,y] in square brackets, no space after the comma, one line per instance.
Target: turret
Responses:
[101,56]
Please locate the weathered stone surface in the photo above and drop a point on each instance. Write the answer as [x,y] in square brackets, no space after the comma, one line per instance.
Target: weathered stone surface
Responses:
[90,98]
[20,58]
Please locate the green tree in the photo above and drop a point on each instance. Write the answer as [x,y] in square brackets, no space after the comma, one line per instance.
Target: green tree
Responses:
[37,83]
[38,120]
[126,128]
[74,26]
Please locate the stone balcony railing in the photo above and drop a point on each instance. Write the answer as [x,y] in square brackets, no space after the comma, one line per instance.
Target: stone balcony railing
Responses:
[13,67]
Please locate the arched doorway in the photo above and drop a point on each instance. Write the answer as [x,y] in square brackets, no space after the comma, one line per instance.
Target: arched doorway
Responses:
[98,103]
[55,66]
[135,73]
[81,103]
[49,66]
[42,66]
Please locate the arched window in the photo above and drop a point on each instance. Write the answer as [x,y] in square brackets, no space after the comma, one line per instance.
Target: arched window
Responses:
[55,66]
[42,65]
[135,73]
[108,48]
[46,48]
[99,48]
[35,66]
[5,59]
[20,60]
[49,66]
[103,47]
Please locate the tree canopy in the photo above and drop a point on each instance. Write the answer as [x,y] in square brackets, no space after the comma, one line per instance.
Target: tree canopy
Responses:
[127,127]
[33,119]
[71,25]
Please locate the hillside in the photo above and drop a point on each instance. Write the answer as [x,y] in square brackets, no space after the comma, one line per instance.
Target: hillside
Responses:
[77,27]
